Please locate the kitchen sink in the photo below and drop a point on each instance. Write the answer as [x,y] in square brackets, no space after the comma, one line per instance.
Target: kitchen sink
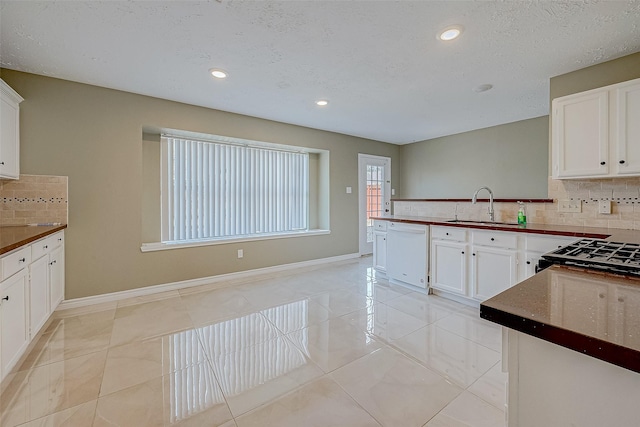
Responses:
[468,221]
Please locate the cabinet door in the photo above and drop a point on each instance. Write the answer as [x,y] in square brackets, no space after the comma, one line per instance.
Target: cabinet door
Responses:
[39,306]
[494,270]
[380,251]
[9,137]
[56,276]
[580,138]
[449,266]
[528,268]
[14,335]
[627,132]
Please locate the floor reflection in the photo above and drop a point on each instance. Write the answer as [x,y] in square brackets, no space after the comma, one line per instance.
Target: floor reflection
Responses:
[245,352]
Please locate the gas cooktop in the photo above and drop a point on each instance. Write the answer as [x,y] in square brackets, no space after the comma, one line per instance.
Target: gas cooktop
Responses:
[599,254]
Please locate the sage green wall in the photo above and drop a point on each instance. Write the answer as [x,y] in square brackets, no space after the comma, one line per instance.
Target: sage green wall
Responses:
[607,73]
[511,159]
[93,135]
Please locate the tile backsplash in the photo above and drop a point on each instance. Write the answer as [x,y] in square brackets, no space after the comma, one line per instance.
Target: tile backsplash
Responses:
[34,199]
[624,194]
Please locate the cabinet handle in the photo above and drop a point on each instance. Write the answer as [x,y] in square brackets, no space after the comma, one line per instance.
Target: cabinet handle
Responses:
[447,234]
[1,163]
[6,298]
[528,262]
[462,252]
[492,239]
[473,254]
[620,299]
[603,163]
[621,162]
[22,260]
[601,295]
[45,247]
[59,239]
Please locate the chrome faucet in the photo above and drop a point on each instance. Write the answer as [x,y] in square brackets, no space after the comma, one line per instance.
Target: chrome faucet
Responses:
[475,199]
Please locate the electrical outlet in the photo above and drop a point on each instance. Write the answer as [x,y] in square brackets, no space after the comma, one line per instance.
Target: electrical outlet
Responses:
[570,206]
[348,190]
[604,207]
[240,253]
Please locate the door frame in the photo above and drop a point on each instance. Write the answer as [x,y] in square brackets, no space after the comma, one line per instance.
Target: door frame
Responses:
[363,247]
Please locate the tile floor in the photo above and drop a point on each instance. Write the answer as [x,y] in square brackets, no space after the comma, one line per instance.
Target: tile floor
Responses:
[333,346]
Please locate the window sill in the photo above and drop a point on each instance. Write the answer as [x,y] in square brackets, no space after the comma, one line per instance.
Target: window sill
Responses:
[163,246]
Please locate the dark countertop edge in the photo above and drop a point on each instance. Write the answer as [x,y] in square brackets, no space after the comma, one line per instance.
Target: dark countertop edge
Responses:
[479,200]
[16,245]
[498,227]
[606,351]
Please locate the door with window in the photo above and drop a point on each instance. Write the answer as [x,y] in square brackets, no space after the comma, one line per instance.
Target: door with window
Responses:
[374,196]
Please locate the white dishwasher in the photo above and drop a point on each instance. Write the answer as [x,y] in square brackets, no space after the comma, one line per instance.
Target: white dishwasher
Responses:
[408,253]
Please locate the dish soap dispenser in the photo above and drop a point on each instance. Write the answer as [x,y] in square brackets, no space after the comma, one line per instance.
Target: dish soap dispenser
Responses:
[522,217]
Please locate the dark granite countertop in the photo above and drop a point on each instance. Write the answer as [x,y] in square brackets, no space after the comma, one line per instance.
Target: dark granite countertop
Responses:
[12,237]
[613,234]
[593,313]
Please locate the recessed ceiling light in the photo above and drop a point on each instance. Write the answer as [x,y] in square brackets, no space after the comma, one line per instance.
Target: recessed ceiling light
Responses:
[218,73]
[450,33]
[482,88]
[322,102]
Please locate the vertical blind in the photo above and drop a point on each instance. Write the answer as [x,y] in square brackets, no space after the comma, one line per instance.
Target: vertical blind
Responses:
[216,190]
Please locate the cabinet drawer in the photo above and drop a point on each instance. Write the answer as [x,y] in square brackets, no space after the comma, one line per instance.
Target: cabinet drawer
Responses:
[449,233]
[46,245]
[495,238]
[14,262]
[41,247]
[380,225]
[546,244]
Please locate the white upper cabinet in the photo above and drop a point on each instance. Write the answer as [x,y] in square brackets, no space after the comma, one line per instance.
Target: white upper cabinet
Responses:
[627,96]
[597,133]
[581,135]
[9,132]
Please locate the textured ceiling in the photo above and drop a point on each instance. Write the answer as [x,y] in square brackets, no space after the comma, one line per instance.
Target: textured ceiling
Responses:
[379,63]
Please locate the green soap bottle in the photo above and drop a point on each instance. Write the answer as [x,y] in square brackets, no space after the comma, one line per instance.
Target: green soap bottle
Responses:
[522,217]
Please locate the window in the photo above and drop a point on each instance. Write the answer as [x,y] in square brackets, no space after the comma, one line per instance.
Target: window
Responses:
[216,190]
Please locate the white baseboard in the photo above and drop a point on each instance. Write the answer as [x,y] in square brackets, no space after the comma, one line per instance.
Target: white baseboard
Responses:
[148,290]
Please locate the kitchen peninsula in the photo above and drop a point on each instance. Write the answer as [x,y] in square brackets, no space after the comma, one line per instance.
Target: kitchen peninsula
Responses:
[571,345]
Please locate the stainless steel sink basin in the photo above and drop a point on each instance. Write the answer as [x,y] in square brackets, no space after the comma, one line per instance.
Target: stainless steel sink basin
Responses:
[465,221]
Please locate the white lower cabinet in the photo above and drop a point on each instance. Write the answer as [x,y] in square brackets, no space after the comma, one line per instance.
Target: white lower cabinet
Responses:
[380,246]
[14,331]
[39,306]
[449,260]
[449,266]
[30,292]
[530,261]
[56,276]
[477,264]
[493,271]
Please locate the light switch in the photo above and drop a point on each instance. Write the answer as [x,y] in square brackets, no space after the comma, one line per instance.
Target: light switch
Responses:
[393,191]
[348,190]
[568,205]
